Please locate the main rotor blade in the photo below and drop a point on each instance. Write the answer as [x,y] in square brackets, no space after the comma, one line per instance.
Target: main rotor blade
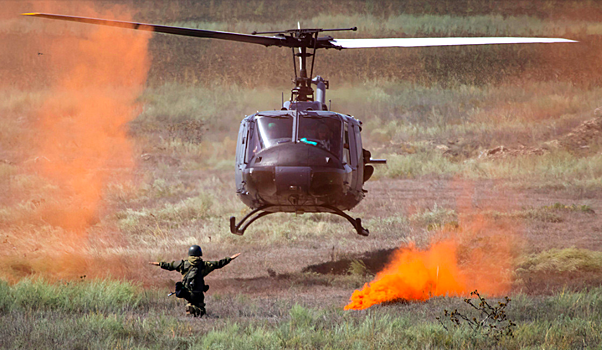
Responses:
[199,33]
[292,42]
[420,42]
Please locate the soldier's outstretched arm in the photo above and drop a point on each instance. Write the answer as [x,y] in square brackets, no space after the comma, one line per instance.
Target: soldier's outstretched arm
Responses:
[174,265]
[212,265]
[155,263]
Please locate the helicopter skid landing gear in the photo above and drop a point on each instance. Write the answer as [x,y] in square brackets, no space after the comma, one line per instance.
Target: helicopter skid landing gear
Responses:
[240,228]
[360,230]
[357,223]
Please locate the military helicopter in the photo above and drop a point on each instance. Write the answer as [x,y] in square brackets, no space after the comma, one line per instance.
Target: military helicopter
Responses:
[303,158]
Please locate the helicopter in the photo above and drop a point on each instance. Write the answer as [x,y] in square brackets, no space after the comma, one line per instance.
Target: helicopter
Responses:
[302,158]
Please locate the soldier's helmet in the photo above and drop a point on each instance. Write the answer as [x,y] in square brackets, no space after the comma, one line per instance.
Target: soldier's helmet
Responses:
[195,250]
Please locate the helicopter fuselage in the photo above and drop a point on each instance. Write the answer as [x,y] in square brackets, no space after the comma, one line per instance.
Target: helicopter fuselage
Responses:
[300,160]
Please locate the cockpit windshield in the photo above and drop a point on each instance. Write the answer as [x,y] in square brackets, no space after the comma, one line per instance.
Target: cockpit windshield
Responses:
[273,130]
[323,132]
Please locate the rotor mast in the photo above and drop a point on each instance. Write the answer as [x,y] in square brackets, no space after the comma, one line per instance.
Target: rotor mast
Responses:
[302,90]
[305,39]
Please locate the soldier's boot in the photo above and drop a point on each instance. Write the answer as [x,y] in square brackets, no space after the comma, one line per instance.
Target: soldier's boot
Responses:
[190,309]
[198,311]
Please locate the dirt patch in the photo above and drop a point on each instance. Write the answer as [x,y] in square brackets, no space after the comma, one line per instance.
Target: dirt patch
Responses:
[580,138]
[332,277]
[504,152]
[584,135]
[373,261]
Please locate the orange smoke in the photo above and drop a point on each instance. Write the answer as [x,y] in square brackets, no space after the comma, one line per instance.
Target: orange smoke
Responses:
[478,256]
[83,123]
[413,275]
[92,76]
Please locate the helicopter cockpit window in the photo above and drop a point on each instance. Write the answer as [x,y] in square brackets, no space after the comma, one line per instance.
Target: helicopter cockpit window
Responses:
[274,130]
[323,132]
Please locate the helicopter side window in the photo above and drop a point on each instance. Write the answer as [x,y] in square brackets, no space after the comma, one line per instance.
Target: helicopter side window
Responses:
[274,130]
[358,143]
[323,132]
[253,144]
[346,155]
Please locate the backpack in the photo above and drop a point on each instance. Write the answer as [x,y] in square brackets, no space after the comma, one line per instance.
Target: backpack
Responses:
[192,279]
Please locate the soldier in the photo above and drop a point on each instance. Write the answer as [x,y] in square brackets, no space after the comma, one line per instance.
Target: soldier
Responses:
[324,137]
[194,270]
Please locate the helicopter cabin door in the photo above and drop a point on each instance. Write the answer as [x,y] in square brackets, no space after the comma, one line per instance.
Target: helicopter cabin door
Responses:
[241,147]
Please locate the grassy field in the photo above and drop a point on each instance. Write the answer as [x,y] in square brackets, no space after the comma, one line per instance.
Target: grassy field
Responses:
[109,314]
[439,115]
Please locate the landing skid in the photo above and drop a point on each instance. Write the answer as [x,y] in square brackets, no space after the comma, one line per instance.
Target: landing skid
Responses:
[240,228]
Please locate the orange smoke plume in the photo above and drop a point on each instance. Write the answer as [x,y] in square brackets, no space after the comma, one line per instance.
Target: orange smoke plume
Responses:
[82,125]
[414,275]
[478,256]
[90,77]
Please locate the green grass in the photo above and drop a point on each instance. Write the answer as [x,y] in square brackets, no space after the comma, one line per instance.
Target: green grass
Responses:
[117,314]
[556,167]
[186,211]
[584,208]
[563,260]
[419,165]
[70,297]
[435,218]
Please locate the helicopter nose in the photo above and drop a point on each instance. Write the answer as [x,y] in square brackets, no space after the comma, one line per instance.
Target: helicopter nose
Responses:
[296,171]
[307,182]
[292,180]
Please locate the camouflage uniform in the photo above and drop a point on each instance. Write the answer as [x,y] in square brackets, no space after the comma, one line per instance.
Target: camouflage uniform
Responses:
[193,287]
